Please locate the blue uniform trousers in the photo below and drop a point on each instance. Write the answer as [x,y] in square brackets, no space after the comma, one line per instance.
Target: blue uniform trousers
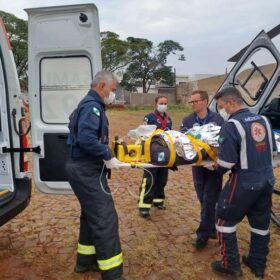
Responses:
[236,202]
[99,220]
[152,187]
[208,185]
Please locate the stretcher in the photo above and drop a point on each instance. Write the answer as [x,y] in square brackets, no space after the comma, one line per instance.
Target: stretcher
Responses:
[160,148]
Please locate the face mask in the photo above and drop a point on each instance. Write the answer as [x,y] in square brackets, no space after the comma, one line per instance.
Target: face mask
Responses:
[110,99]
[224,114]
[162,108]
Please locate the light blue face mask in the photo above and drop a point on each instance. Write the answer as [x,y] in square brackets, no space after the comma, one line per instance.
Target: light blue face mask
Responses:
[110,99]
[224,114]
[162,108]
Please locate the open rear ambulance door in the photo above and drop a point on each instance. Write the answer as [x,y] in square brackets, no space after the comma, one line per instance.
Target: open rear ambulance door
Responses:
[15,186]
[256,74]
[63,56]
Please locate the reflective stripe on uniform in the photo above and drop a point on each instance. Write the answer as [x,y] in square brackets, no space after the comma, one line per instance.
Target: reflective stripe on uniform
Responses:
[110,263]
[225,164]
[141,203]
[243,147]
[158,200]
[269,136]
[260,231]
[226,229]
[86,249]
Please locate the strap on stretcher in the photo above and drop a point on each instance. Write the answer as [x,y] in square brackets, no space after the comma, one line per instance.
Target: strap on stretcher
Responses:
[197,144]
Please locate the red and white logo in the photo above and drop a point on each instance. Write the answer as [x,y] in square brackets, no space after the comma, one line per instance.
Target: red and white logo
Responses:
[258,132]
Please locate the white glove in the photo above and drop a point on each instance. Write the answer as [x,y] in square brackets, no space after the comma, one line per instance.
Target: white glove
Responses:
[112,163]
[210,166]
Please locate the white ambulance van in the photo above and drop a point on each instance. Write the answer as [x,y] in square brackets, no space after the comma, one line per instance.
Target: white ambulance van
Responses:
[63,56]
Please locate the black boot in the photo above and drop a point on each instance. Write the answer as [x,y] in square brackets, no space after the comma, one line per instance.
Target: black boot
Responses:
[200,243]
[144,212]
[257,272]
[217,266]
[81,268]
[160,206]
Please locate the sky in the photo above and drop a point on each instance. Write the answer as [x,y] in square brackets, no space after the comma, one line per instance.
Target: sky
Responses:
[210,31]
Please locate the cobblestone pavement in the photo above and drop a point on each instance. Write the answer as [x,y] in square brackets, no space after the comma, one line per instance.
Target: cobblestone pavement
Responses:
[40,243]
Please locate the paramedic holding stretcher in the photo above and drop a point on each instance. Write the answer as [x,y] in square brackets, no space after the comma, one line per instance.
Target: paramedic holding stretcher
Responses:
[99,244]
[246,148]
[207,183]
[155,179]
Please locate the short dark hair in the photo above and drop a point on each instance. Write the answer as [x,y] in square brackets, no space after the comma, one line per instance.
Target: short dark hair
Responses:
[159,97]
[203,94]
[229,93]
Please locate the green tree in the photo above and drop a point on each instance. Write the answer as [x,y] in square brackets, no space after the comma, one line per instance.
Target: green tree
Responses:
[114,51]
[17,32]
[148,63]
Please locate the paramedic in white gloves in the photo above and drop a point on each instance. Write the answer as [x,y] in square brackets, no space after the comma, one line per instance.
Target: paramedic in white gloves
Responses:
[99,246]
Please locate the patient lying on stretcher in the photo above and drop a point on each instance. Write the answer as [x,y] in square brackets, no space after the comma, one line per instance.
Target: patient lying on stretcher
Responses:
[175,148]
[198,146]
[169,148]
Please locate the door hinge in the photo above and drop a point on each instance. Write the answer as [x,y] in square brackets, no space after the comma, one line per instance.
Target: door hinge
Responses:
[36,150]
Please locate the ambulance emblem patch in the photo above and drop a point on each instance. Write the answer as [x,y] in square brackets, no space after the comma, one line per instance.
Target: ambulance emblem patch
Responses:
[96,111]
[258,131]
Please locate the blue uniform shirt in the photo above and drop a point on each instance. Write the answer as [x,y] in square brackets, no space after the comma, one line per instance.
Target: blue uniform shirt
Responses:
[91,124]
[191,119]
[158,120]
[246,146]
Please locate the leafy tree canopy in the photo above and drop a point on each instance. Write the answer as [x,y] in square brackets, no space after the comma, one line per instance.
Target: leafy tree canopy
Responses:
[148,63]
[17,32]
[140,61]
[114,51]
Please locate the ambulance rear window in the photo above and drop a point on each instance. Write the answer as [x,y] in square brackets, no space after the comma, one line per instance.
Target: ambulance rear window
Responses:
[64,81]
[255,74]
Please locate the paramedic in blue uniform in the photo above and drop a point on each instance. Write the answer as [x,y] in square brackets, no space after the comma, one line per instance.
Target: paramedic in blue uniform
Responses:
[90,158]
[154,194]
[246,148]
[207,183]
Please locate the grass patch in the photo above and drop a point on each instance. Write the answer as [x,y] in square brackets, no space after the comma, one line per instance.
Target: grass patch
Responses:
[148,108]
